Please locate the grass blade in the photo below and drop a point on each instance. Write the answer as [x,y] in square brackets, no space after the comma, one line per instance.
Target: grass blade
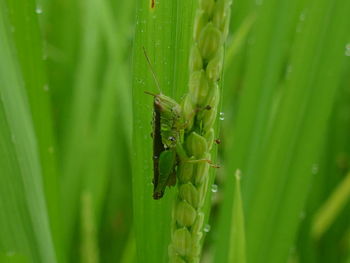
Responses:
[306,124]
[24,220]
[329,211]
[89,244]
[277,141]
[28,43]
[164,31]
[78,131]
[237,237]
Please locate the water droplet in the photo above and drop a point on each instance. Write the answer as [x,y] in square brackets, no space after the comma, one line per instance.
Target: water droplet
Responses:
[258,2]
[302,16]
[206,228]
[13,138]
[302,215]
[222,116]
[347,50]
[214,188]
[46,87]
[38,10]
[314,168]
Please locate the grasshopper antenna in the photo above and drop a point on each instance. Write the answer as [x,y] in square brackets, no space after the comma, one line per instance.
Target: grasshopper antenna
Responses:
[152,70]
[150,93]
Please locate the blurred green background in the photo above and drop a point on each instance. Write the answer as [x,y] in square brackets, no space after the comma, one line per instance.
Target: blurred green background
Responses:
[75,150]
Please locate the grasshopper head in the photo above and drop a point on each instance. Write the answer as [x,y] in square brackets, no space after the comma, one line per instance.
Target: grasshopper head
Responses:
[167,105]
[171,119]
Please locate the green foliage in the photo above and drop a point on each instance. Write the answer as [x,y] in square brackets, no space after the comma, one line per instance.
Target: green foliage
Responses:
[237,251]
[24,222]
[76,152]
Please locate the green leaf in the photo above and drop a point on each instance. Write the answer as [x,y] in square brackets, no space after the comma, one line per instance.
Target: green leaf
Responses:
[78,131]
[282,119]
[331,208]
[23,17]
[237,251]
[24,224]
[165,32]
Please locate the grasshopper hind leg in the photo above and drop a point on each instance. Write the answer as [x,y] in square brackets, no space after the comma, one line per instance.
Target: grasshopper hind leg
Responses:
[203,161]
[172,179]
[166,173]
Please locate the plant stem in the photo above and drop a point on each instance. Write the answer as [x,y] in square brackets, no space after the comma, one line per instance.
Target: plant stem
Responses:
[200,108]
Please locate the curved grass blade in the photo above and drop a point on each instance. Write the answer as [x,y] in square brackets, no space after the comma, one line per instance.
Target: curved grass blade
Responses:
[24,224]
[23,17]
[331,208]
[277,142]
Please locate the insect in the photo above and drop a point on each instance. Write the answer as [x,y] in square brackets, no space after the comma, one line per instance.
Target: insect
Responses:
[168,129]
[168,133]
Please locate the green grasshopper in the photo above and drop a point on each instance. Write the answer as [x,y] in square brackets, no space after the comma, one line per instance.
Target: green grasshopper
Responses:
[168,130]
[168,133]
[167,139]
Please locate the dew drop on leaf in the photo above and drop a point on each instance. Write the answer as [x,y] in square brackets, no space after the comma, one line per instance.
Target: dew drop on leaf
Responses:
[38,10]
[347,50]
[206,228]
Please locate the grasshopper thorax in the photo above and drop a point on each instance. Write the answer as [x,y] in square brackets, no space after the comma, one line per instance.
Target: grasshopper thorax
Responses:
[170,119]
